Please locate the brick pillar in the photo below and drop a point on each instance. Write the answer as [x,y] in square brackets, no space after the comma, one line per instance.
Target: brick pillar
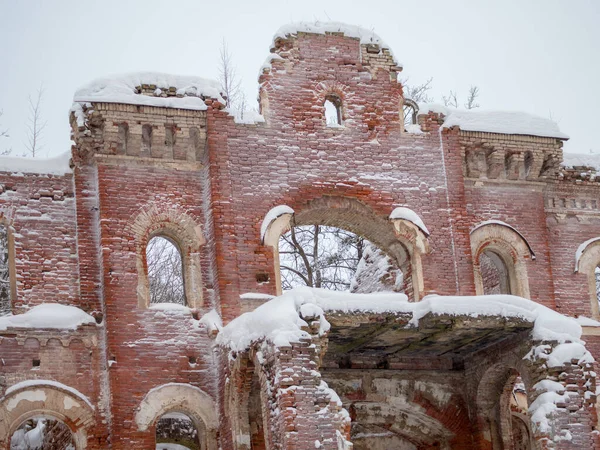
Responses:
[309,410]
[571,387]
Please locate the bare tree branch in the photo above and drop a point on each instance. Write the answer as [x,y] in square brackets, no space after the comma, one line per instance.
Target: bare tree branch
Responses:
[230,84]
[35,124]
[472,98]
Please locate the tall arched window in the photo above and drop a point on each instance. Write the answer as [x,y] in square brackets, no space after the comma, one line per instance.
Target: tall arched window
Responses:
[5,287]
[165,271]
[494,274]
[500,258]
[587,262]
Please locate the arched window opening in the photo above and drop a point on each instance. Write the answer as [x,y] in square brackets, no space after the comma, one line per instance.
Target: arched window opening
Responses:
[504,400]
[165,271]
[494,274]
[176,431]
[42,433]
[597,276]
[333,111]
[332,258]
[5,290]
[410,109]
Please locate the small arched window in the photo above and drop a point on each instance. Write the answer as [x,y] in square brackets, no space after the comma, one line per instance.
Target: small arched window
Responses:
[5,287]
[165,271]
[333,111]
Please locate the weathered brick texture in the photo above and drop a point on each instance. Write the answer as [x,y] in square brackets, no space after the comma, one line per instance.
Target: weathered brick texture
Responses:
[207,182]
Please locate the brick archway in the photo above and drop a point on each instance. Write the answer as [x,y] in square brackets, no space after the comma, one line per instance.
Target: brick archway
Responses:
[29,399]
[182,398]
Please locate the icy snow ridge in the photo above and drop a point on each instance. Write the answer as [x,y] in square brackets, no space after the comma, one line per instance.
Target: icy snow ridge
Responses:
[503,122]
[48,315]
[123,89]
[280,320]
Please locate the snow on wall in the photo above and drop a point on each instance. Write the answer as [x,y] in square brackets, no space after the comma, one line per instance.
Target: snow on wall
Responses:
[273,214]
[503,122]
[364,35]
[404,213]
[48,315]
[572,160]
[57,165]
[122,89]
[281,319]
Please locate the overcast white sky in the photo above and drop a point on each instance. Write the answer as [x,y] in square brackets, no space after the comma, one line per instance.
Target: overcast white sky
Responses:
[538,56]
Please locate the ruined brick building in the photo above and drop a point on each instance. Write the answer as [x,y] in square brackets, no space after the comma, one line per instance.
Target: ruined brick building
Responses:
[456,200]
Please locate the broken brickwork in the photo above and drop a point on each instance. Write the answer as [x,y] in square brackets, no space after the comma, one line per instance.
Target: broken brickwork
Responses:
[200,178]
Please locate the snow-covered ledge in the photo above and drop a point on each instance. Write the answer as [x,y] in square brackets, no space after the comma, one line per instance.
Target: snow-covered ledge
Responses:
[502,122]
[56,165]
[48,316]
[276,222]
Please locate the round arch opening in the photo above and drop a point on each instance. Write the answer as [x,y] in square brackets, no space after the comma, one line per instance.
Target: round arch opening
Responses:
[42,432]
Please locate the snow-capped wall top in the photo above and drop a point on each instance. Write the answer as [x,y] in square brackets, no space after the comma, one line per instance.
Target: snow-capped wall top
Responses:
[572,160]
[280,320]
[353,31]
[170,91]
[503,122]
[402,212]
[57,165]
[48,315]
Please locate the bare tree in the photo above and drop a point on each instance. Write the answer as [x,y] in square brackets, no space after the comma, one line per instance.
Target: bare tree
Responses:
[3,133]
[416,93]
[319,256]
[451,100]
[472,98]
[35,124]
[230,84]
[165,271]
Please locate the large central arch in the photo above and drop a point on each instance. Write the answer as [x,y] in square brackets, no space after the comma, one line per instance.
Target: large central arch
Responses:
[397,238]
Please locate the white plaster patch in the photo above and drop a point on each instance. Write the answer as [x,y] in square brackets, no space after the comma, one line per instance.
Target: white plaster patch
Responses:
[69,403]
[31,396]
